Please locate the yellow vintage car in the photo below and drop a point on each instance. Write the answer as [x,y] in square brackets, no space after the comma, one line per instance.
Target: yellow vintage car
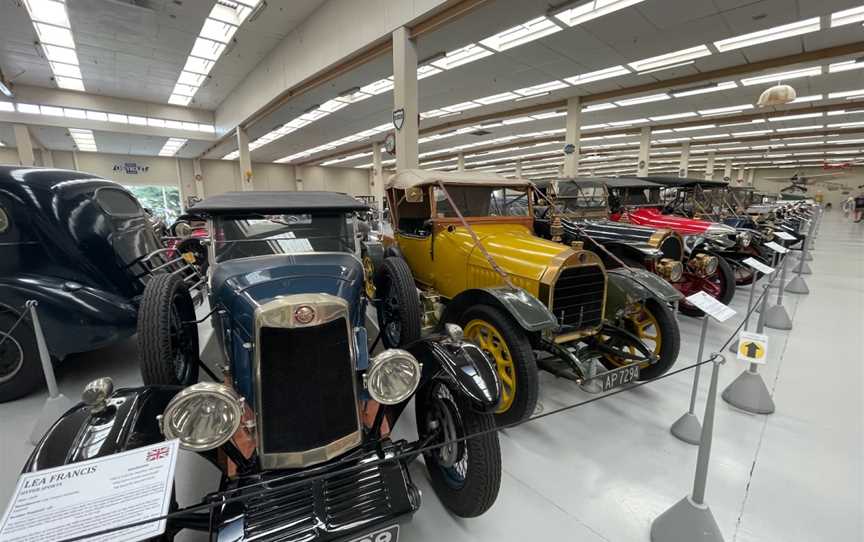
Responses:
[478,263]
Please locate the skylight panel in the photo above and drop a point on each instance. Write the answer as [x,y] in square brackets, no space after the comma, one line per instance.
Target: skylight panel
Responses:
[48,11]
[461,56]
[770,34]
[176,99]
[74,113]
[184,90]
[69,83]
[521,33]
[198,65]
[51,110]
[782,76]
[30,109]
[207,49]
[191,79]
[97,116]
[171,146]
[598,75]
[83,139]
[217,30]
[138,121]
[592,10]
[60,54]
[66,70]
[54,35]
[643,99]
[119,119]
[51,22]
[670,59]
[847,16]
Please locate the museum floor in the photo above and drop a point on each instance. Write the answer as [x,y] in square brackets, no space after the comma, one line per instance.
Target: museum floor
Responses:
[602,472]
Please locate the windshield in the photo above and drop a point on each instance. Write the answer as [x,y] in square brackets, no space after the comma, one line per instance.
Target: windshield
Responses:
[582,197]
[282,234]
[480,201]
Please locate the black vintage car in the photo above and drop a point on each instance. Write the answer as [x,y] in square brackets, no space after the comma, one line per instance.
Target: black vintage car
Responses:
[84,249]
[299,422]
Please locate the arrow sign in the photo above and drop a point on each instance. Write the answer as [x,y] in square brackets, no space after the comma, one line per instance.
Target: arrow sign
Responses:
[752,347]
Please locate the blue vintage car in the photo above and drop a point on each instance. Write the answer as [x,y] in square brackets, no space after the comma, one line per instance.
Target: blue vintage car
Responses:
[299,421]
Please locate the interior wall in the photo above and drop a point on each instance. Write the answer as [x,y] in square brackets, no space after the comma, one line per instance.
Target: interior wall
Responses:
[337,179]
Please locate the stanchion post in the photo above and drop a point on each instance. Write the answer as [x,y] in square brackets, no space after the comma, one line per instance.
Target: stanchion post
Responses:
[687,428]
[56,403]
[797,285]
[691,519]
[776,316]
[734,346]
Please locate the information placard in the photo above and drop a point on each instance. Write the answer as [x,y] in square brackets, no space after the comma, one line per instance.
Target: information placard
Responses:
[711,306]
[759,266]
[753,347]
[93,496]
[775,247]
[783,235]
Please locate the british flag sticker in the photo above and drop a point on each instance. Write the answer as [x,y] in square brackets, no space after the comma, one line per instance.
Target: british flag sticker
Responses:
[157,453]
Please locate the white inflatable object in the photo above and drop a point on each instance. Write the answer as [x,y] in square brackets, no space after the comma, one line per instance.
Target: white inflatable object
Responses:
[777,95]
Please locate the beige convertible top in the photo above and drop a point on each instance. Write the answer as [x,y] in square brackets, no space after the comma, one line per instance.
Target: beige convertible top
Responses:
[409,178]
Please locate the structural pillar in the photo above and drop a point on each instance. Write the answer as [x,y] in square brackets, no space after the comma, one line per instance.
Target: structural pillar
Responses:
[519,169]
[245,160]
[727,171]
[750,174]
[572,137]
[25,146]
[739,176]
[199,178]
[684,165]
[405,108]
[377,177]
[644,152]
[709,166]
[460,162]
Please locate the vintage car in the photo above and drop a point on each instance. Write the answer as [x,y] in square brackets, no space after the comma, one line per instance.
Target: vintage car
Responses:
[299,420]
[578,210]
[479,264]
[84,249]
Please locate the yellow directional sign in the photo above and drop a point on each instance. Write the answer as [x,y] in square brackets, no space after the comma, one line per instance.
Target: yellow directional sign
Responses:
[752,347]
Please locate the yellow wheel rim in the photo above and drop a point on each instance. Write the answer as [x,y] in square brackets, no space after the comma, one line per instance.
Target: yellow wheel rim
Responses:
[487,337]
[368,274]
[643,324]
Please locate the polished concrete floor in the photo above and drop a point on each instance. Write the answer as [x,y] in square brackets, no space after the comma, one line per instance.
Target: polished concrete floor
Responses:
[604,471]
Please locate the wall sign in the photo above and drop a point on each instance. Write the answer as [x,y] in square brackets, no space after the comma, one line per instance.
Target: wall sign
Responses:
[131,168]
[399,118]
[569,148]
[390,144]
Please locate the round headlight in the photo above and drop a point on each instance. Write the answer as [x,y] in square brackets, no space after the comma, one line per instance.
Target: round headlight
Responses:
[203,416]
[670,269]
[711,263]
[393,376]
[745,238]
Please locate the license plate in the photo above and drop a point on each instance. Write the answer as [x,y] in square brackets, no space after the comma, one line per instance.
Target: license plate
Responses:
[617,377]
[387,534]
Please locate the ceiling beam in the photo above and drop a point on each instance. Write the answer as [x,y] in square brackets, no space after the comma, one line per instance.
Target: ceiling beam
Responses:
[64,122]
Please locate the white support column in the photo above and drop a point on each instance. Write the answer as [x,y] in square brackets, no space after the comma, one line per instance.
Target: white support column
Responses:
[573,136]
[727,171]
[460,162]
[199,178]
[183,194]
[377,177]
[750,174]
[739,176]
[75,160]
[25,146]
[519,169]
[644,152]
[245,160]
[47,158]
[684,165]
[405,99]
[709,166]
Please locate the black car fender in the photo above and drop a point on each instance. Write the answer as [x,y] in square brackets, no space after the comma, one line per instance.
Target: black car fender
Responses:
[463,364]
[642,285]
[128,422]
[528,311]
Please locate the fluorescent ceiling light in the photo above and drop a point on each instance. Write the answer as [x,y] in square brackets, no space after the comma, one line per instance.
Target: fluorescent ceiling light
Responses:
[805,99]
[119,119]
[592,10]
[797,128]
[463,55]
[673,116]
[782,76]
[847,16]
[598,75]
[495,98]
[51,110]
[669,59]
[463,106]
[846,94]
[60,54]
[845,66]
[30,109]
[378,87]
[778,32]
[598,107]
[643,99]
[97,116]
[713,87]
[721,110]
[795,117]
[626,122]
[669,67]
[752,133]
[549,115]
[139,121]
[693,128]
[543,88]
[522,33]
[427,70]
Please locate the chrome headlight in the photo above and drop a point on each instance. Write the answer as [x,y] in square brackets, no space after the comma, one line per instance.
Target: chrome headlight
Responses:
[203,416]
[670,269]
[745,238]
[393,376]
[704,264]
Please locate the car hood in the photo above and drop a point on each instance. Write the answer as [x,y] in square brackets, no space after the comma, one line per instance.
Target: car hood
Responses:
[241,285]
[653,217]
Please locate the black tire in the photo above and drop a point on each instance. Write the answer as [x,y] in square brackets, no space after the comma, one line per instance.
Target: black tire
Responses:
[398,305]
[527,384]
[727,289]
[20,368]
[167,348]
[670,340]
[470,487]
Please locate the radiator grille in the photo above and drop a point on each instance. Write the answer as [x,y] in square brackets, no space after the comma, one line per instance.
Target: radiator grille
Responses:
[579,295]
[307,387]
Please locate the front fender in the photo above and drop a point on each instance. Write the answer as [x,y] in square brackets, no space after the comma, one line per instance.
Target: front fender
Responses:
[528,311]
[641,284]
[128,422]
[465,364]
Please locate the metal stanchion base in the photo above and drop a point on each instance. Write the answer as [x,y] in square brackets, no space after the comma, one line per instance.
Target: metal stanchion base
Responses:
[797,286]
[776,317]
[802,268]
[749,392]
[688,429]
[686,521]
[52,410]
[807,257]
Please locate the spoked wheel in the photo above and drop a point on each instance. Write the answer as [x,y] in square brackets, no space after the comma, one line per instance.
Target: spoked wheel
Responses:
[720,286]
[465,474]
[508,347]
[20,371]
[398,304]
[655,326]
[167,334]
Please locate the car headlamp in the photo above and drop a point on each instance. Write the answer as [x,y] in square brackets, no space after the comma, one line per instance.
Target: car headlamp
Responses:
[393,376]
[745,238]
[704,264]
[670,269]
[203,416]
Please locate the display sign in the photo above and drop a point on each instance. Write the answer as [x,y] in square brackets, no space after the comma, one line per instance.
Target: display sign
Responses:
[775,247]
[752,347]
[131,168]
[399,118]
[94,496]
[753,263]
[711,306]
[783,235]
